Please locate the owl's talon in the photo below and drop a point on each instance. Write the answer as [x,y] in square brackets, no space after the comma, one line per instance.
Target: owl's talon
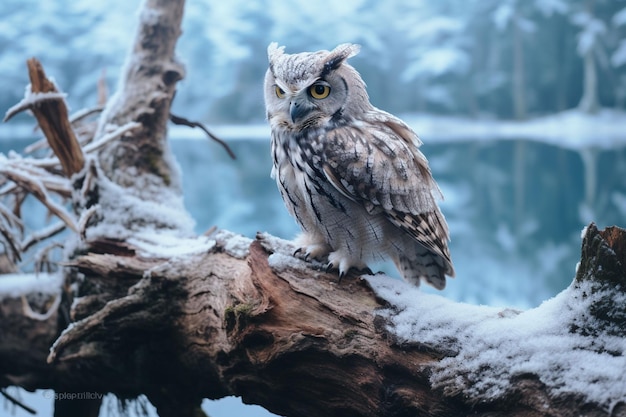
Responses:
[366,271]
[303,254]
[330,267]
[310,249]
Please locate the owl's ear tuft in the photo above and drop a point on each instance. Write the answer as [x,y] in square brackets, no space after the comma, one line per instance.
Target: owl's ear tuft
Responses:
[338,55]
[274,51]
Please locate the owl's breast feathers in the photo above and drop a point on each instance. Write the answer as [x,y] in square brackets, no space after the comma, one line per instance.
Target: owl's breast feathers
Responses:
[376,162]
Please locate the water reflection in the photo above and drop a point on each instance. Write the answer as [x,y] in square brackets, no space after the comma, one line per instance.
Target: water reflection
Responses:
[515,208]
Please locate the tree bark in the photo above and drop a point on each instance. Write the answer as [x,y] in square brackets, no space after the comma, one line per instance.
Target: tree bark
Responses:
[235,316]
[145,94]
[278,333]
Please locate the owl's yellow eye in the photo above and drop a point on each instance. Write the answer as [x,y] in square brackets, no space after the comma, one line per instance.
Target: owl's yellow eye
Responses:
[280,93]
[319,91]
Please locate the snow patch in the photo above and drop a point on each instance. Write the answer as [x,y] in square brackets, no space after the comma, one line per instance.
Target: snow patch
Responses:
[282,257]
[582,234]
[165,244]
[275,244]
[158,226]
[124,215]
[489,346]
[281,262]
[233,244]
[16,285]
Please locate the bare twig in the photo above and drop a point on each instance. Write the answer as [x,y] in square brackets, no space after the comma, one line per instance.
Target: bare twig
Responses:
[8,188]
[10,246]
[177,120]
[9,222]
[74,118]
[38,190]
[84,220]
[81,114]
[42,258]
[36,146]
[13,220]
[32,168]
[17,402]
[41,235]
[120,131]
[33,100]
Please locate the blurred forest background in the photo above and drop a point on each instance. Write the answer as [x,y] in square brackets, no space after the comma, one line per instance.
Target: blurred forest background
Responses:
[534,91]
[501,58]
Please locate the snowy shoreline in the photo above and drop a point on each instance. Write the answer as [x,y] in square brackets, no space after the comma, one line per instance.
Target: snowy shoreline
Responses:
[570,129]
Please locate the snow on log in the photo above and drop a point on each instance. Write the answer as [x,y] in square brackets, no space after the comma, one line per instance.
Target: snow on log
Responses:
[282,333]
[574,345]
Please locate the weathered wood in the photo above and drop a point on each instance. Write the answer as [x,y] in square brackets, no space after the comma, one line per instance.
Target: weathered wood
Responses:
[146,92]
[53,120]
[290,339]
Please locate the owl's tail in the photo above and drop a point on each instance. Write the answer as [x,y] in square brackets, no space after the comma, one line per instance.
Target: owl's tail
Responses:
[423,264]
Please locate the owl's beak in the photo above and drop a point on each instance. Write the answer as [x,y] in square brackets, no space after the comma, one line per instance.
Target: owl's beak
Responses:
[297,111]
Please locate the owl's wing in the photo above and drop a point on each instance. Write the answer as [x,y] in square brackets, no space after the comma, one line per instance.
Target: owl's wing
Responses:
[378,164]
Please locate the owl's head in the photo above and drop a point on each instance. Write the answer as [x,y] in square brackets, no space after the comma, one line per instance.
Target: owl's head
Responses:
[311,89]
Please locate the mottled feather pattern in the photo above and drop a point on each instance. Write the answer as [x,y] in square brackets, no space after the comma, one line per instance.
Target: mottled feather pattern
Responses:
[351,175]
[390,173]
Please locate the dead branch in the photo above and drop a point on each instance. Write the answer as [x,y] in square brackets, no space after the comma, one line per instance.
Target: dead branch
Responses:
[17,402]
[282,335]
[38,190]
[53,119]
[109,137]
[42,235]
[145,97]
[177,120]
[75,120]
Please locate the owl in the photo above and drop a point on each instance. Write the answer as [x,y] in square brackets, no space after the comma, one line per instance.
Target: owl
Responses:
[351,175]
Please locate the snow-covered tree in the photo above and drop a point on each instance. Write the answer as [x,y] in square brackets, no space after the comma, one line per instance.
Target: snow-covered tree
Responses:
[589,46]
[618,57]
